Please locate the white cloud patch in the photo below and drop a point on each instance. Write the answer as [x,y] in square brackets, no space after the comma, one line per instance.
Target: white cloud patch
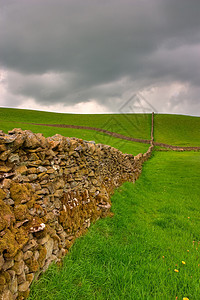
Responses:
[89,107]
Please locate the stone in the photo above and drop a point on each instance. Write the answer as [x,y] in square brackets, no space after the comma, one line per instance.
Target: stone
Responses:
[36,255]
[3,148]
[91,174]
[6,183]
[11,273]
[73,170]
[57,203]
[16,130]
[73,184]
[18,267]
[5,169]
[21,278]
[2,280]
[30,277]
[29,245]
[13,158]
[44,240]
[26,269]
[24,286]
[34,163]
[50,170]
[20,192]
[36,186]
[5,155]
[28,254]
[33,264]
[41,169]
[33,156]
[21,170]
[19,256]
[58,193]
[32,177]
[14,285]
[44,191]
[94,181]
[8,264]
[7,295]
[2,194]
[18,142]
[31,140]
[32,170]
[48,262]
[1,261]
[21,212]
[49,247]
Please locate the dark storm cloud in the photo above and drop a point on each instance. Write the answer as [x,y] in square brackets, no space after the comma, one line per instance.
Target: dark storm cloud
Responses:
[73,50]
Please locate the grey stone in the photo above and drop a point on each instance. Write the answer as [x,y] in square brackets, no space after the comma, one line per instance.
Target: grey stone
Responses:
[13,158]
[41,169]
[49,247]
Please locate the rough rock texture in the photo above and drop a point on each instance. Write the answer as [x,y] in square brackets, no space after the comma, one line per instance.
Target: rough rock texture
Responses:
[51,189]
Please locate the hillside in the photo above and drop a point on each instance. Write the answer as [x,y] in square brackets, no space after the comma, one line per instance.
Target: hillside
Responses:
[177,130]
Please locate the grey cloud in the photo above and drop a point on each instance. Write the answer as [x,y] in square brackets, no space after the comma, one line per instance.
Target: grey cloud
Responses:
[93,45]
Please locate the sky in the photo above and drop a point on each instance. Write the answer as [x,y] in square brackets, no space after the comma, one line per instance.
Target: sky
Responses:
[100,56]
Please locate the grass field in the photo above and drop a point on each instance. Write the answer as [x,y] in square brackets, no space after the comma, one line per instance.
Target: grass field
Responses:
[135,254]
[177,130]
[89,135]
[134,125]
[12,118]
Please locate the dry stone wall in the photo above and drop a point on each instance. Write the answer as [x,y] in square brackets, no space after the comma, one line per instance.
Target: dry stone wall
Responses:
[51,189]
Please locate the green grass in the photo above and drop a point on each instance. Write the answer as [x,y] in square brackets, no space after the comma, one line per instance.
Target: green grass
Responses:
[134,125]
[134,254]
[177,130]
[89,135]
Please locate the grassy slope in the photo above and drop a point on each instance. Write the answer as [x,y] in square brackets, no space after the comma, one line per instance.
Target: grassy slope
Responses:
[98,137]
[134,254]
[11,118]
[135,125]
[177,130]
[170,129]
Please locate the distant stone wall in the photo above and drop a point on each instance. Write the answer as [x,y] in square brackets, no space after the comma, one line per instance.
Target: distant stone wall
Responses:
[51,189]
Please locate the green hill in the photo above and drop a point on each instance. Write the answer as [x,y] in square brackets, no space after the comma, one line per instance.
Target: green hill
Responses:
[178,130]
[134,125]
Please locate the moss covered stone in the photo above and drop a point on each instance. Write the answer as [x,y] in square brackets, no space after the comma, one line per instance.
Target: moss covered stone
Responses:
[42,256]
[21,193]
[2,194]
[21,212]
[8,244]
[21,236]
[2,280]
[33,264]
[6,216]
